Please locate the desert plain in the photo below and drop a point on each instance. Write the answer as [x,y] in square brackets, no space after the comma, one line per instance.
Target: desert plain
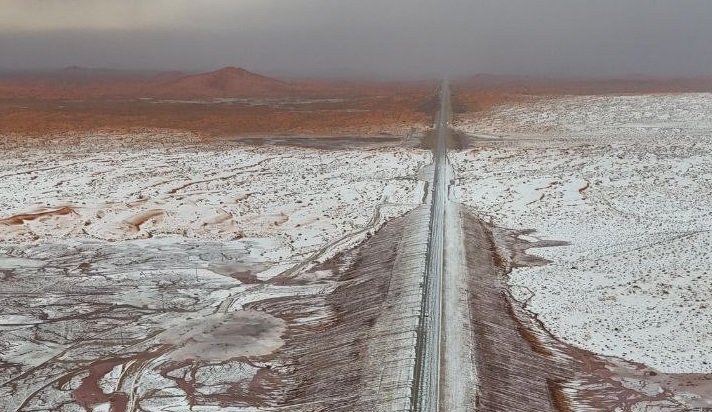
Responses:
[231,242]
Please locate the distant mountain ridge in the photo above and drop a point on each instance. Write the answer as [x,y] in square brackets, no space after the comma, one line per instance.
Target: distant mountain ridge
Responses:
[79,82]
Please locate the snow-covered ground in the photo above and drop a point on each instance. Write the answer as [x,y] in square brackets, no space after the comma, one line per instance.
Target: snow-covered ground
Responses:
[299,199]
[114,249]
[627,180]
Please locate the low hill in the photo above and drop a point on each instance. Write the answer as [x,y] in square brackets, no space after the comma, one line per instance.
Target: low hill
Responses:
[226,82]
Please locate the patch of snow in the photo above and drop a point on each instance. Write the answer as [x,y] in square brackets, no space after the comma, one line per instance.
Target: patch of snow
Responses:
[626,180]
[109,248]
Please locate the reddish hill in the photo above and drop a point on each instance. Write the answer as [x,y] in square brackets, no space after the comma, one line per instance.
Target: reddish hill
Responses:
[226,82]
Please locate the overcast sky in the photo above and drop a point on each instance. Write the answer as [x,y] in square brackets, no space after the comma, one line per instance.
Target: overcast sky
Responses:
[363,37]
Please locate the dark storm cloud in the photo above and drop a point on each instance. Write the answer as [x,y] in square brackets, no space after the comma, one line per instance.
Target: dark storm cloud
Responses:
[384,37]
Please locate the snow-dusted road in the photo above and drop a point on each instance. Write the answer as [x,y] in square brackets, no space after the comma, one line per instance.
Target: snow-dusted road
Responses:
[427,394]
[478,348]
[444,370]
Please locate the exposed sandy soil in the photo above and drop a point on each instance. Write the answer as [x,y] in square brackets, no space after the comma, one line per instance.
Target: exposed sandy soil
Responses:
[228,102]
[26,217]
[388,115]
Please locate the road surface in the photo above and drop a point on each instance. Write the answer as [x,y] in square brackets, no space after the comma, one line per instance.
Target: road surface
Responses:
[427,387]
[444,375]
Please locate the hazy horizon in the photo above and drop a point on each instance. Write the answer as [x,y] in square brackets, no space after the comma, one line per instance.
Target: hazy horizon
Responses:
[396,38]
